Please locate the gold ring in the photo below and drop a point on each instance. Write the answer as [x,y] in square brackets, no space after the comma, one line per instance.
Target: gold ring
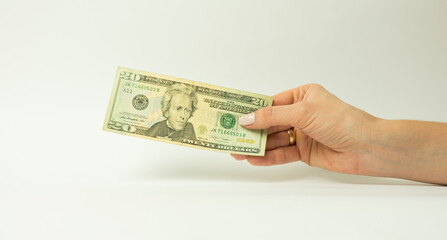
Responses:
[292,136]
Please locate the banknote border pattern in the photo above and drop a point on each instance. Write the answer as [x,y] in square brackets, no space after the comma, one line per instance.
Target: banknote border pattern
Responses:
[255,101]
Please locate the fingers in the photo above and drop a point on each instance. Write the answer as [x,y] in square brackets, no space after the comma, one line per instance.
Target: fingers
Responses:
[272,157]
[277,140]
[270,116]
[275,157]
[276,129]
[288,109]
[239,156]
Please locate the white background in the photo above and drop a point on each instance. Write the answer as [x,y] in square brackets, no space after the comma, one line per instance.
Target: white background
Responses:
[62,177]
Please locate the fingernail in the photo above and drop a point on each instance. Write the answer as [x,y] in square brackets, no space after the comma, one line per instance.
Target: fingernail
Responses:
[247,119]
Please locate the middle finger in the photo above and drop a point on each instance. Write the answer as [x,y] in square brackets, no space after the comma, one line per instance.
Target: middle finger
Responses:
[276,129]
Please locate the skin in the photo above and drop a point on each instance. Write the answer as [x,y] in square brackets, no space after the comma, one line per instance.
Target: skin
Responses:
[336,136]
[179,112]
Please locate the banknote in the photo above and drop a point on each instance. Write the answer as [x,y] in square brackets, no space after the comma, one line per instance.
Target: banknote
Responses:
[184,112]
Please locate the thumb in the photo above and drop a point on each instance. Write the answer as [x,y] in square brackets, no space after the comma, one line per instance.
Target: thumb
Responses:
[271,116]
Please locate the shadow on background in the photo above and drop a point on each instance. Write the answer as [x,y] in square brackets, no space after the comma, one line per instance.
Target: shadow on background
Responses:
[234,171]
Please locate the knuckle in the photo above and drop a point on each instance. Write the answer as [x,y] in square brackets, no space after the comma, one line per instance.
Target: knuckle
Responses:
[277,156]
[301,109]
[317,88]
[280,155]
[316,85]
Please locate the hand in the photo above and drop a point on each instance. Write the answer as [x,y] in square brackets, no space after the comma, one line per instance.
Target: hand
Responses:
[330,133]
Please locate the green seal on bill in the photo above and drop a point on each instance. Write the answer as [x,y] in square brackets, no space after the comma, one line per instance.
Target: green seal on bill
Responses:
[227,121]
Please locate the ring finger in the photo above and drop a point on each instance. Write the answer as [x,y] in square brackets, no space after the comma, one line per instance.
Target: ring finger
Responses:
[276,140]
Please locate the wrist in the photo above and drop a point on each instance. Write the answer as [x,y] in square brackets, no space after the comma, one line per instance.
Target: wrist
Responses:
[371,150]
[376,150]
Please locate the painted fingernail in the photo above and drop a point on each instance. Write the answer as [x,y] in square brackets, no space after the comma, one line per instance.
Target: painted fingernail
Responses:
[247,119]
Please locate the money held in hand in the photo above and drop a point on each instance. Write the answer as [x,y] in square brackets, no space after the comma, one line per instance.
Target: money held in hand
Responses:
[184,112]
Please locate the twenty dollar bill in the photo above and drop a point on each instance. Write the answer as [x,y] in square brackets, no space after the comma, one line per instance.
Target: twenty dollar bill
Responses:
[184,112]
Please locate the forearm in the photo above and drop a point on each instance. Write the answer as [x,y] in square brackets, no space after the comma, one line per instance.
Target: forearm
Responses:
[413,150]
